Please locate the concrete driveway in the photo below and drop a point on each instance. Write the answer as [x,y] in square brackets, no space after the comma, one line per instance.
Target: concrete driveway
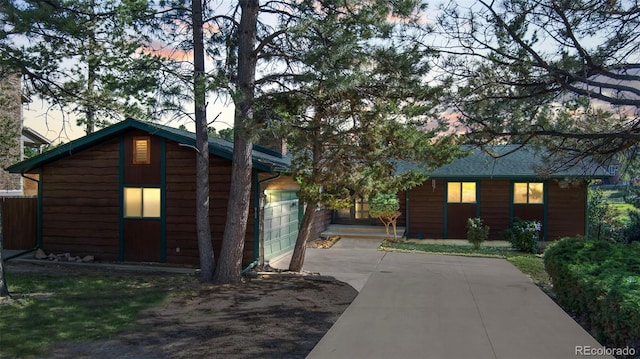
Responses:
[414,305]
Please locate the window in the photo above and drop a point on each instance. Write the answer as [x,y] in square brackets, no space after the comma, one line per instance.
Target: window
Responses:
[461,192]
[141,151]
[528,193]
[141,202]
[361,209]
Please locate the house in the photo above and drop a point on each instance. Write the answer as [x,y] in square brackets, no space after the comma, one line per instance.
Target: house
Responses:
[499,187]
[127,193]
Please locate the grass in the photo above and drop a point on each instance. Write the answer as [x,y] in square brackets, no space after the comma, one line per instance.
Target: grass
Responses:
[50,308]
[529,264]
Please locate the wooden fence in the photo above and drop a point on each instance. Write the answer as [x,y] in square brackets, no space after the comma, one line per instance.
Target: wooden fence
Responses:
[19,222]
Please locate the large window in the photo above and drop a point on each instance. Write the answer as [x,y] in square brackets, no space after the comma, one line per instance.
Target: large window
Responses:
[141,151]
[461,192]
[141,202]
[528,193]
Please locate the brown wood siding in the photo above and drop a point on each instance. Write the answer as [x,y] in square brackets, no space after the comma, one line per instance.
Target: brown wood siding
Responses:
[457,216]
[141,174]
[182,244]
[402,200]
[495,206]
[426,210]
[566,209]
[19,222]
[142,240]
[80,203]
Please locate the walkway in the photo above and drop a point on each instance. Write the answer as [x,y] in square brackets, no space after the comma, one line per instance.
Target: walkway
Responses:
[414,305]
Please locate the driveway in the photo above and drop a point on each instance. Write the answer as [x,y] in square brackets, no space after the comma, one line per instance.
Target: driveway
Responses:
[415,305]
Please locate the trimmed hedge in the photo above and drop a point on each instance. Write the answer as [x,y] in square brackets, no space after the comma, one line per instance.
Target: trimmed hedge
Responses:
[599,281]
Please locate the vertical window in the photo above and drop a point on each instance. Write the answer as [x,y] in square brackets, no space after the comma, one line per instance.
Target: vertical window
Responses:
[528,193]
[141,202]
[141,151]
[461,192]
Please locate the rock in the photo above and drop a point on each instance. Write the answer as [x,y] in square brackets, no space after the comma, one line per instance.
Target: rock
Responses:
[88,259]
[52,256]
[40,254]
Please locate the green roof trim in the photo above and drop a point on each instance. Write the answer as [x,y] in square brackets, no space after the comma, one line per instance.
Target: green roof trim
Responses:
[263,159]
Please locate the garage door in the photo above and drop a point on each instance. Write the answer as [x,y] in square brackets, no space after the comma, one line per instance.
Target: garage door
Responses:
[280,223]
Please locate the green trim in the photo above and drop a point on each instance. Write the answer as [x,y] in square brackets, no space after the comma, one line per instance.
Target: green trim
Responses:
[121,197]
[445,212]
[586,209]
[39,210]
[163,200]
[478,199]
[218,147]
[545,210]
[257,216]
[512,206]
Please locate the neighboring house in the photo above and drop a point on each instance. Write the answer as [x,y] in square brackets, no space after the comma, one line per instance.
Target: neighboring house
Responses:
[127,193]
[494,189]
[24,138]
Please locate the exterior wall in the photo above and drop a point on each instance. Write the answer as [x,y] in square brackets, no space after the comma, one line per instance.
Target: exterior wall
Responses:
[495,202]
[30,187]
[80,203]
[566,209]
[11,124]
[426,210]
[322,221]
[182,244]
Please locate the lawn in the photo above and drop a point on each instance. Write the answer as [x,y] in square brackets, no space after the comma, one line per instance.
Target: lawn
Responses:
[529,264]
[50,308]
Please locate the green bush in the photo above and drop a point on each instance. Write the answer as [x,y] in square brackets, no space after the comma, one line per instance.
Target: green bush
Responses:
[599,281]
[384,204]
[476,232]
[524,235]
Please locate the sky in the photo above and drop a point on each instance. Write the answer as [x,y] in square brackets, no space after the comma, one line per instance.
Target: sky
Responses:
[62,127]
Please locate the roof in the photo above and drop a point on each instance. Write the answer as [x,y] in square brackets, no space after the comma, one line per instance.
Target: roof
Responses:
[31,137]
[508,162]
[263,158]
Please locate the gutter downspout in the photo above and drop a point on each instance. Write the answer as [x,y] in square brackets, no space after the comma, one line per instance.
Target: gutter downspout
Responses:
[258,225]
[20,254]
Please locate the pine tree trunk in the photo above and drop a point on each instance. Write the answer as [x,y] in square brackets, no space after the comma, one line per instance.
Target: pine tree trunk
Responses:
[297,259]
[203,228]
[230,260]
[4,290]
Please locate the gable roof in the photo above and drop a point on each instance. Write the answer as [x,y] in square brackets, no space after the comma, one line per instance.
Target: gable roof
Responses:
[507,162]
[263,159]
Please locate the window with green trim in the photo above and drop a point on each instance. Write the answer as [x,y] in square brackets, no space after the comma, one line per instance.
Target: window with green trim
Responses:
[141,202]
[461,192]
[528,193]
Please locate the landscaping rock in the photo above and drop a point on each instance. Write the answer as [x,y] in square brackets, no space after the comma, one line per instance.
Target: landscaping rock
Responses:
[40,254]
[87,259]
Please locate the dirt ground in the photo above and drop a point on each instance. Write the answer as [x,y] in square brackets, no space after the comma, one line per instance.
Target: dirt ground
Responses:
[272,317]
